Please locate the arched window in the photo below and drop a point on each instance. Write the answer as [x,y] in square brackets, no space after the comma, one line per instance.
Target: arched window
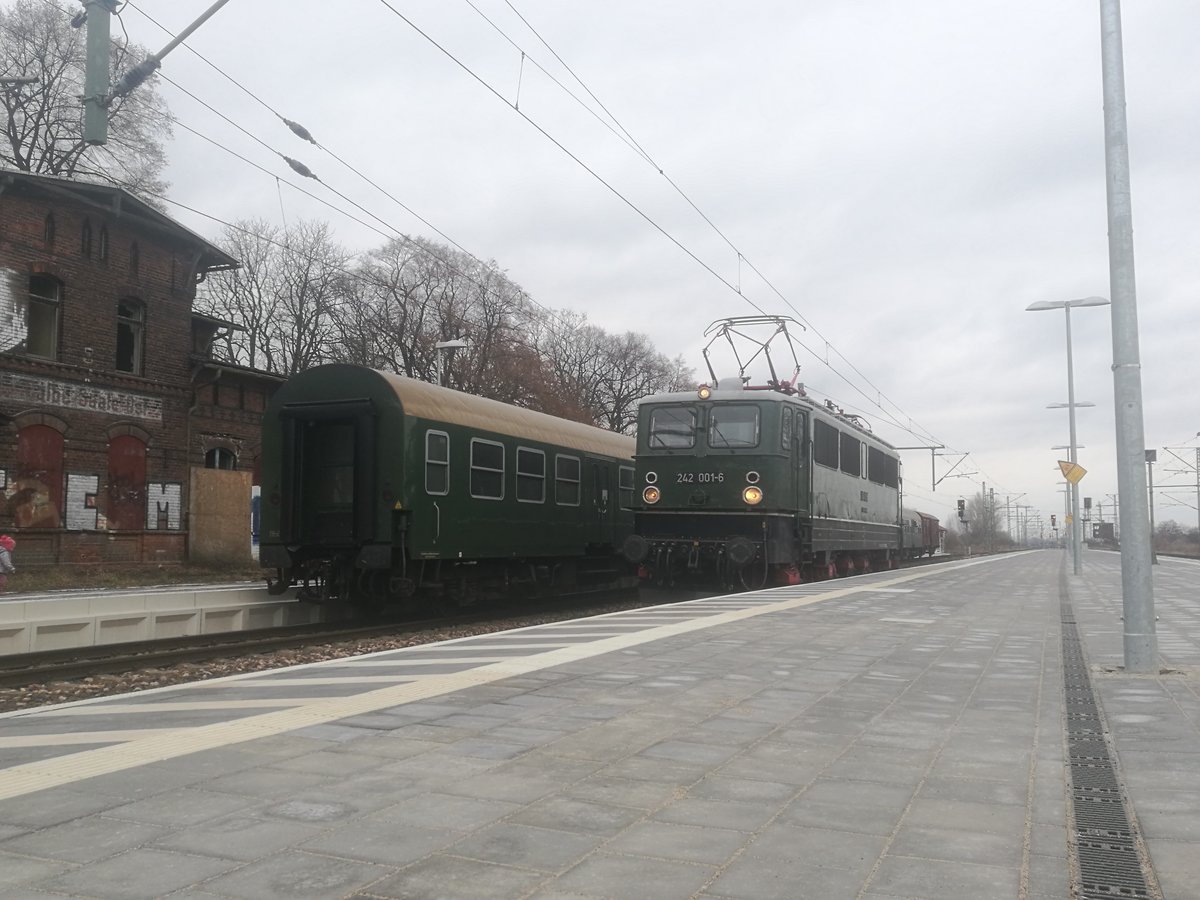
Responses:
[102,244]
[131,335]
[85,239]
[35,494]
[134,258]
[126,483]
[220,458]
[45,313]
[48,231]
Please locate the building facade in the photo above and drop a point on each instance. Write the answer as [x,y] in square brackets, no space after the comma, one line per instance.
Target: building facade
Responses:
[109,396]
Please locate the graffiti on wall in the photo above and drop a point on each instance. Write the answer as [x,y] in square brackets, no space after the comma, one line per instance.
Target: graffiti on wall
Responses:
[37,391]
[30,506]
[164,504]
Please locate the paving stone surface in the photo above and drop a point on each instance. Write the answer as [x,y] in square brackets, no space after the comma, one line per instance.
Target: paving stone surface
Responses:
[878,744]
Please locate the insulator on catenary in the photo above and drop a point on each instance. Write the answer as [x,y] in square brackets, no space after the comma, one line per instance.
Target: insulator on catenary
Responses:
[300,168]
[300,131]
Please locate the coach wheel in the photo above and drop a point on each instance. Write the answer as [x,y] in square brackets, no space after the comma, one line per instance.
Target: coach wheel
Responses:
[280,583]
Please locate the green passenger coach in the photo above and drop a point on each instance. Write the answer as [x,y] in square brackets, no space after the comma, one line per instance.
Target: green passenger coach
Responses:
[383,490]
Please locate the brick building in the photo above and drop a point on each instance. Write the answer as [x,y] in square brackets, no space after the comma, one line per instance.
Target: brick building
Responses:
[110,400]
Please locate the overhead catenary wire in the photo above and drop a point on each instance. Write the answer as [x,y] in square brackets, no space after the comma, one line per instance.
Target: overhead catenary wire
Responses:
[300,168]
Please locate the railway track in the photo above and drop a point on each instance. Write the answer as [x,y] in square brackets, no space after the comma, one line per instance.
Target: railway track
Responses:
[28,669]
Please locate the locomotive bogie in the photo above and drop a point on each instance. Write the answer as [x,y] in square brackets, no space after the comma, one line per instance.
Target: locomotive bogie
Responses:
[385,490]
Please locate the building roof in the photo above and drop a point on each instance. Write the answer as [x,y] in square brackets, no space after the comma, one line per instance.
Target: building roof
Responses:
[122,205]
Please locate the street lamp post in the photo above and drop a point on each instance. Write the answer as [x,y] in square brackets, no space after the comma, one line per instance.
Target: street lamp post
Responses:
[443,347]
[1065,305]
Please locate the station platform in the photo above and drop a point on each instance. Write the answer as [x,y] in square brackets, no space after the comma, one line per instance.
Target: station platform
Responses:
[913,734]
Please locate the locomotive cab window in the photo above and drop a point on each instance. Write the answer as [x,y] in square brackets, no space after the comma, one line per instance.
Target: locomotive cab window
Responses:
[437,463]
[487,469]
[733,426]
[566,480]
[786,428]
[672,427]
[531,475]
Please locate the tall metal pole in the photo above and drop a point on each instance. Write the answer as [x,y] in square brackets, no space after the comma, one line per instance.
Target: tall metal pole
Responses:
[1137,583]
[1076,543]
[1151,458]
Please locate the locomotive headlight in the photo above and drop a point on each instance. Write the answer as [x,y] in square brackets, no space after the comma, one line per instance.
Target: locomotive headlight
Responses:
[752,495]
[651,494]
[704,392]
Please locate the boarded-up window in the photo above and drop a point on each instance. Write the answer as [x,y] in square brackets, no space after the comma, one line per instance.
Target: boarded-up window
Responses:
[126,483]
[35,493]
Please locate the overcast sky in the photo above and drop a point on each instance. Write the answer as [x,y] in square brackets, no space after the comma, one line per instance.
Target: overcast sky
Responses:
[908,177]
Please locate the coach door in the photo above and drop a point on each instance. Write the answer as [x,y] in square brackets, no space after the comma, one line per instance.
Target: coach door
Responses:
[603,500]
[330,473]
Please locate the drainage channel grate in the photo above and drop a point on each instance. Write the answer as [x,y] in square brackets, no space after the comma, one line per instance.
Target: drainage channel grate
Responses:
[1106,848]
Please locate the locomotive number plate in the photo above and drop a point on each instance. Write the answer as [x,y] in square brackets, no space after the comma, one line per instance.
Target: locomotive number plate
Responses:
[700,478]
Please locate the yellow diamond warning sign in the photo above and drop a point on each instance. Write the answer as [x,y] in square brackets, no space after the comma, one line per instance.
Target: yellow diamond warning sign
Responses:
[1073,472]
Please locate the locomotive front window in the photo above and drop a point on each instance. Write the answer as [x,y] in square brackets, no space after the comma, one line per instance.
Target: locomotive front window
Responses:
[487,469]
[673,427]
[566,480]
[733,426]
[437,462]
[531,475]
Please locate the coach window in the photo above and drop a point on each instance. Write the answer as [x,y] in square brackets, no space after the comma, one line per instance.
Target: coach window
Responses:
[825,444]
[531,475]
[851,455]
[437,463]
[673,427]
[625,486]
[566,480]
[487,469]
[45,313]
[131,335]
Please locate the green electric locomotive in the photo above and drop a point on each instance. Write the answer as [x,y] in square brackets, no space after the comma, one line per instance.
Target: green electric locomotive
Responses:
[750,487]
[381,490]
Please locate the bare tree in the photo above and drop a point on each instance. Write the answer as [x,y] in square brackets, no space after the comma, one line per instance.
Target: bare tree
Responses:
[289,296]
[43,123]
